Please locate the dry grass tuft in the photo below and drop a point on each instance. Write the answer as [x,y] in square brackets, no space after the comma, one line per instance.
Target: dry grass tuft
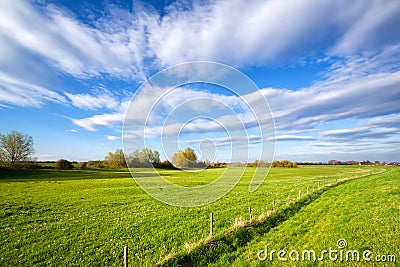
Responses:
[239,222]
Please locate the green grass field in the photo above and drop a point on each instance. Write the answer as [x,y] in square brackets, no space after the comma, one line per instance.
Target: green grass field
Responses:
[85,218]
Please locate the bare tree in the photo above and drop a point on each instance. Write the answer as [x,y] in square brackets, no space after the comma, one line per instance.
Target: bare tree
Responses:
[16,147]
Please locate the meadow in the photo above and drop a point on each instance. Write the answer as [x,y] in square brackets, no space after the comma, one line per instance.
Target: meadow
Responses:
[86,217]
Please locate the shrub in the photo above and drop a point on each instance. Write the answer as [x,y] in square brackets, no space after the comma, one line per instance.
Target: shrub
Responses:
[95,164]
[284,164]
[83,165]
[64,164]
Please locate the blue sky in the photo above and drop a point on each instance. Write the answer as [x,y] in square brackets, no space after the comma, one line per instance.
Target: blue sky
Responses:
[328,69]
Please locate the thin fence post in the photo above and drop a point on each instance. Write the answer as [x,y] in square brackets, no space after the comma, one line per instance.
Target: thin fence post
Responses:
[299,195]
[313,185]
[288,199]
[126,256]
[307,190]
[250,215]
[211,224]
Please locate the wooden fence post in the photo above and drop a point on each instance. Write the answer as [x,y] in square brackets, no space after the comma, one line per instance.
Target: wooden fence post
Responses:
[299,195]
[126,256]
[250,215]
[307,190]
[274,207]
[288,199]
[211,224]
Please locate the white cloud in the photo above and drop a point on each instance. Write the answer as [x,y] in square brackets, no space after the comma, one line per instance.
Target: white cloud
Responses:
[72,130]
[128,45]
[256,32]
[20,93]
[391,121]
[357,89]
[355,149]
[86,101]
[356,66]
[112,137]
[291,137]
[68,44]
[374,26]
[360,97]
[112,120]
[123,44]
[233,141]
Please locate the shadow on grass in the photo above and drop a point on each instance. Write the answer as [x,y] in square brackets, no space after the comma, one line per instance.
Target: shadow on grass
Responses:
[231,241]
[64,175]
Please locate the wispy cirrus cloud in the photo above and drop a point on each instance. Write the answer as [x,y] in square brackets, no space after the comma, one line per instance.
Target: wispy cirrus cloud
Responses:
[70,45]
[391,121]
[128,44]
[86,101]
[20,93]
[361,97]
[360,133]
[272,30]
[291,137]
[110,120]
[356,88]
[122,43]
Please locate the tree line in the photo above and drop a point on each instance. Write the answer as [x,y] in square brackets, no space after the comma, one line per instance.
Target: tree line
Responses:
[16,150]
[145,158]
[262,163]
[17,147]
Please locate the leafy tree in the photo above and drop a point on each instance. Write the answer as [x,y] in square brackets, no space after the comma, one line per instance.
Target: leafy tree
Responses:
[83,165]
[152,156]
[179,160]
[95,164]
[190,155]
[116,160]
[64,164]
[277,163]
[185,158]
[166,165]
[144,158]
[16,147]
[284,164]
